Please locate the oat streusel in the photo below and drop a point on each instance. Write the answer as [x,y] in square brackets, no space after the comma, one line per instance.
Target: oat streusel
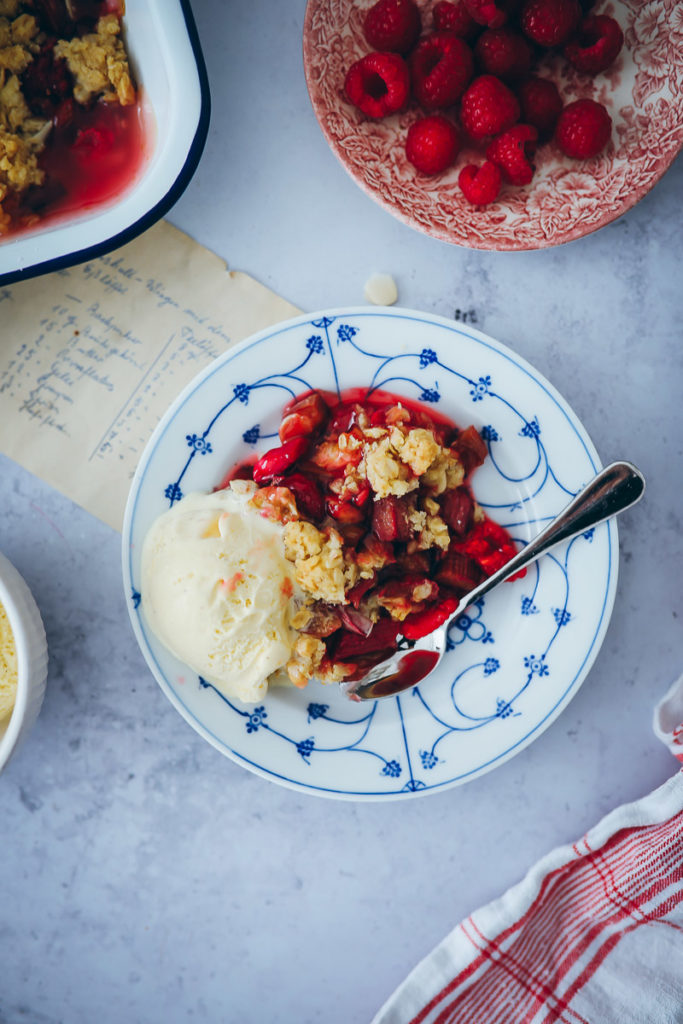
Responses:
[99,64]
[379,524]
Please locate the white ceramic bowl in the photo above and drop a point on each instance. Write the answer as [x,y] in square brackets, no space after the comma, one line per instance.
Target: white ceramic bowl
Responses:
[29,637]
[168,65]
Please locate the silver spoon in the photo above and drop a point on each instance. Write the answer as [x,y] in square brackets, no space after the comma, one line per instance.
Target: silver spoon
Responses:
[616,488]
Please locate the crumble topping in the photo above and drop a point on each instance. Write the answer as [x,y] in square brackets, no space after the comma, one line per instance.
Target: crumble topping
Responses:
[17,42]
[22,30]
[99,64]
[302,618]
[319,563]
[418,448]
[393,461]
[400,605]
[306,658]
[434,534]
[373,556]
[386,472]
[445,473]
[18,164]
[14,58]
[14,110]
[347,442]
[9,8]
[334,671]
[429,529]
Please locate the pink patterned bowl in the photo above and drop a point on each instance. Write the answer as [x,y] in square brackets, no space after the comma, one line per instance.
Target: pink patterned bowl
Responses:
[567,199]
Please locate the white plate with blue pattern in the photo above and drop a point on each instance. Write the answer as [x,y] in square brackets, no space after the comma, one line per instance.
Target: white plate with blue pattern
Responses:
[516,658]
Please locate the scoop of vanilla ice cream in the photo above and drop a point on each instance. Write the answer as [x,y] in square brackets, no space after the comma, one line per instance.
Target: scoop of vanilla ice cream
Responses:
[217,590]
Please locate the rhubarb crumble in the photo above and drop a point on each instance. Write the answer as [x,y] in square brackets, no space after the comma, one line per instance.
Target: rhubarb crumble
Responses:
[380,525]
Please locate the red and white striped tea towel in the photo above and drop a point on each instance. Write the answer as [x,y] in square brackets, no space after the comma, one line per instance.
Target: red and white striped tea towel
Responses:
[592,935]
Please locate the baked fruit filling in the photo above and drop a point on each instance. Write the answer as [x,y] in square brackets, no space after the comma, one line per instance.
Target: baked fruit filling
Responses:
[380,524]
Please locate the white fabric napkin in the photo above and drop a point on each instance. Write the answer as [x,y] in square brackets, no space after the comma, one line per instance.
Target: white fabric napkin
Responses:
[592,935]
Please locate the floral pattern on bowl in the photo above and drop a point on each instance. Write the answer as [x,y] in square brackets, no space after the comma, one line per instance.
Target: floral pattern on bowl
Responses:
[567,199]
[515,658]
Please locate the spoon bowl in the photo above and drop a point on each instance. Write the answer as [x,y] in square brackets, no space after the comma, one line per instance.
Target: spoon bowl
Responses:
[613,490]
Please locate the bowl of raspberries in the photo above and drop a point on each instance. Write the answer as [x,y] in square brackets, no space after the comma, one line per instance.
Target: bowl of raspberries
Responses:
[499,124]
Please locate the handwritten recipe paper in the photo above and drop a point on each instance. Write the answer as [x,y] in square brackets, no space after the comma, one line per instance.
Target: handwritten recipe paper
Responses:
[91,357]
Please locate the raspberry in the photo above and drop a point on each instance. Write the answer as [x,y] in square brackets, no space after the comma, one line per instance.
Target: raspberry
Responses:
[492,13]
[503,52]
[550,22]
[432,144]
[598,44]
[378,84]
[480,185]
[441,66]
[454,17]
[488,107]
[392,25]
[541,105]
[512,152]
[583,129]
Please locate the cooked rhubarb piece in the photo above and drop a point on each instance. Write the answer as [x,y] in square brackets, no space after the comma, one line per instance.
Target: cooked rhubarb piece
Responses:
[357,593]
[344,417]
[418,564]
[351,533]
[409,594]
[374,554]
[422,623]
[355,622]
[278,460]
[381,638]
[307,493]
[46,82]
[305,417]
[55,15]
[470,448]
[459,571]
[344,511]
[324,620]
[457,508]
[391,518]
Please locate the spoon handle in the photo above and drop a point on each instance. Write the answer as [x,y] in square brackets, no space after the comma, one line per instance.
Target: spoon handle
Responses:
[614,489]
